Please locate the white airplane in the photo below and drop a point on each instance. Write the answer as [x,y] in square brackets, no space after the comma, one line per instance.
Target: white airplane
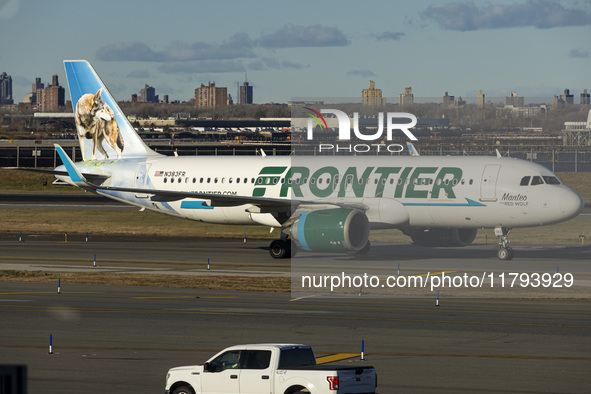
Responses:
[323,204]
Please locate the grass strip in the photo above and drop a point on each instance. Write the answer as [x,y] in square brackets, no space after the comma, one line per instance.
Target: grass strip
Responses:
[210,282]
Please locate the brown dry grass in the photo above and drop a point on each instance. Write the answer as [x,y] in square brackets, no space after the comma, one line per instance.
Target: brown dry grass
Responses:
[579,182]
[119,222]
[242,283]
[12,181]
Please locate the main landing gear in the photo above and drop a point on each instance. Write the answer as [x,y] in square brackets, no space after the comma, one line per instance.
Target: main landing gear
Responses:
[283,248]
[505,252]
[280,249]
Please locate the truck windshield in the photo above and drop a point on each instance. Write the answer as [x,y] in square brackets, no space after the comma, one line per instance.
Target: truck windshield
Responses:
[296,357]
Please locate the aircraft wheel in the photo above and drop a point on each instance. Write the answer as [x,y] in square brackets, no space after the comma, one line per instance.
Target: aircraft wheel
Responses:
[505,253]
[511,253]
[279,249]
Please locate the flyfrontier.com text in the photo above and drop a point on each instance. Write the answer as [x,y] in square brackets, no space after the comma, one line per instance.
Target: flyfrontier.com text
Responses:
[440,280]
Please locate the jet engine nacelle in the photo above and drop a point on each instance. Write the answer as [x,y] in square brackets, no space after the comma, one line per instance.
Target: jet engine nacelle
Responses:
[331,230]
[443,236]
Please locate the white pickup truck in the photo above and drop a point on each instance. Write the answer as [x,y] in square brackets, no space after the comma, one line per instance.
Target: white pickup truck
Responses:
[269,369]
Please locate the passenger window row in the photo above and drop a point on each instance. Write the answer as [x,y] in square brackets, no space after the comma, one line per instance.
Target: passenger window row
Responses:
[275,180]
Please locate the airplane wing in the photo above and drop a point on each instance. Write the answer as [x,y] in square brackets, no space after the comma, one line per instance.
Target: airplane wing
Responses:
[217,199]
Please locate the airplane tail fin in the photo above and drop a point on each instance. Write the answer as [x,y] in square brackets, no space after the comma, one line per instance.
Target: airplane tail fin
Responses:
[411,149]
[103,130]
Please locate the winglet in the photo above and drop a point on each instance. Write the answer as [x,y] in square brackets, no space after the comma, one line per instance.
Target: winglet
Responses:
[75,175]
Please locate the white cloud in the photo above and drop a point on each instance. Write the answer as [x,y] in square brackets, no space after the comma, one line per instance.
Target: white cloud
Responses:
[542,14]
[296,36]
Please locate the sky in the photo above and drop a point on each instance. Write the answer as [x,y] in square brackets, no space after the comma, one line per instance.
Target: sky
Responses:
[297,49]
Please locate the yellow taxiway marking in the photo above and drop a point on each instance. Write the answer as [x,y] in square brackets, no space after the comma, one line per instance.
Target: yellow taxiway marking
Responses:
[177,297]
[319,360]
[336,357]
[49,292]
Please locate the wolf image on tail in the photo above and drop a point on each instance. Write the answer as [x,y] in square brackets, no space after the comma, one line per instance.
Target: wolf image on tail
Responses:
[107,129]
[95,120]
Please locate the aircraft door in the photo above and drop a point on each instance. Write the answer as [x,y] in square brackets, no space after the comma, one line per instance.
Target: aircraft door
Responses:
[488,187]
[349,183]
[141,175]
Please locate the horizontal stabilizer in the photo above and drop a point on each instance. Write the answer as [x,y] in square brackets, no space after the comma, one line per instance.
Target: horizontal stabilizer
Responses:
[94,178]
[73,172]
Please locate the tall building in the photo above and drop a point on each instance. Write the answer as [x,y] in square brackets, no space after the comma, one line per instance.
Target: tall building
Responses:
[148,95]
[38,85]
[6,89]
[567,97]
[245,93]
[211,97]
[372,97]
[585,98]
[448,100]
[515,100]
[52,97]
[480,100]
[407,98]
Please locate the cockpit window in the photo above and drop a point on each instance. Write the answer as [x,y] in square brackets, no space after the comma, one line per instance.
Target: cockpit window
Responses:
[551,180]
[525,180]
[537,180]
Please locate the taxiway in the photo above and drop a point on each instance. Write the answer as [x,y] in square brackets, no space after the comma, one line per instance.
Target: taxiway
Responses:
[124,339]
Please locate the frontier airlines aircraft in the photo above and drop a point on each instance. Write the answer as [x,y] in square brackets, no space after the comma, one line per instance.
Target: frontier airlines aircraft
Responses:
[322,204]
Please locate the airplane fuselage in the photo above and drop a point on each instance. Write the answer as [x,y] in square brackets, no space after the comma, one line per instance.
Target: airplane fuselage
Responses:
[394,191]
[321,203]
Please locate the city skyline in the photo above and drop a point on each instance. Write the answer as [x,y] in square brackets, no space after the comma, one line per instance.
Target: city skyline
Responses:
[328,49]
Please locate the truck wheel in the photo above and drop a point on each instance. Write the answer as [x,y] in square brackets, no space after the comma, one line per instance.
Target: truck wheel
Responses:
[183,390]
[300,390]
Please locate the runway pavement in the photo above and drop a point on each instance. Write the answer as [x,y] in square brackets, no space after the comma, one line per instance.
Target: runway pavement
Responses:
[190,256]
[124,339]
[121,339]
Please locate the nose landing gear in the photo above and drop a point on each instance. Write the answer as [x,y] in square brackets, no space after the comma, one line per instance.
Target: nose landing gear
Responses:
[505,252]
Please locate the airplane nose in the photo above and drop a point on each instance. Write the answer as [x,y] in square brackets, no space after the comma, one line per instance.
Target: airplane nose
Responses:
[571,204]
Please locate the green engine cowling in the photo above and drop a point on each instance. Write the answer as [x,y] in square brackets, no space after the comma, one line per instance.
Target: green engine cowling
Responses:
[331,230]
